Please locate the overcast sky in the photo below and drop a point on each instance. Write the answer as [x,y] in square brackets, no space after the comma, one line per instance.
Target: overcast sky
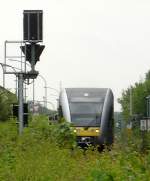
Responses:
[89,43]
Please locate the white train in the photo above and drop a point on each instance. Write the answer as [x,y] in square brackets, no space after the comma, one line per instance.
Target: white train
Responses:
[90,110]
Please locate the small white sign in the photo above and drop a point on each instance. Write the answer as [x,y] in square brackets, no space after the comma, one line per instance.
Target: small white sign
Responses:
[143,124]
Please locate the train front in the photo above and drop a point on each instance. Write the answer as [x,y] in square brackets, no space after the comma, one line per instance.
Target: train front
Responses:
[86,109]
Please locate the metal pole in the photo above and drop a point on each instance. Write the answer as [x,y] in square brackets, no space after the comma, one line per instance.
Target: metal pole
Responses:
[25,57]
[4,69]
[148,106]
[130,101]
[3,79]
[25,94]
[21,60]
[45,104]
[33,95]
[16,87]
[3,75]
[20,97]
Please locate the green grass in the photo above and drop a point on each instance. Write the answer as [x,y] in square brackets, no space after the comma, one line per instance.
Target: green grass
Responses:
[43,153]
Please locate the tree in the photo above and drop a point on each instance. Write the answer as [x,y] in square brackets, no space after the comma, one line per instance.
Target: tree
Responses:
[139,92]
[6,100]
[147,75]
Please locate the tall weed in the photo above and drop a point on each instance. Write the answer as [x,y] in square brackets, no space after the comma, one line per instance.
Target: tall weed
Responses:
[44,153]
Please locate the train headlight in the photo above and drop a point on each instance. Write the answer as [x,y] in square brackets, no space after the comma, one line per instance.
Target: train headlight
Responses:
[75,130]
[97,130]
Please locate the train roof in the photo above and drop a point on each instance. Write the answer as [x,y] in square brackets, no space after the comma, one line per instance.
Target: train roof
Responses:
[86,92]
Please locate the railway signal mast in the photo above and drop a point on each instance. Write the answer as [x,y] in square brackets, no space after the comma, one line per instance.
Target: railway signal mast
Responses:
[31,49]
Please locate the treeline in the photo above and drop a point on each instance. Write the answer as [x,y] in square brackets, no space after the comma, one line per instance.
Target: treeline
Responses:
[6,100]
[139,93]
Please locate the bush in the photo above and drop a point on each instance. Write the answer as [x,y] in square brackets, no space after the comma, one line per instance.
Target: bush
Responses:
[43,153]
[6,100]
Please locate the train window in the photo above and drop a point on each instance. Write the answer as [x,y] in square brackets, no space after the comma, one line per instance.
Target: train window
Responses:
[85,108]
[86,114]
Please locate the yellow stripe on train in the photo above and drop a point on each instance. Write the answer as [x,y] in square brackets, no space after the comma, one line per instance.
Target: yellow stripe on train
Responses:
[84,131]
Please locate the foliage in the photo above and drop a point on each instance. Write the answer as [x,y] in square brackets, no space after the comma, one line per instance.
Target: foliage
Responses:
[39,155]
[139,93]
[6,100]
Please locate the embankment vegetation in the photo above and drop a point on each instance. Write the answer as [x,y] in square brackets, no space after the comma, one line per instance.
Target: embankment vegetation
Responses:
[48,152]
[6,100]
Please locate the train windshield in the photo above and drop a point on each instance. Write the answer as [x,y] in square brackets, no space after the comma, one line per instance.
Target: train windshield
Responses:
[86,113]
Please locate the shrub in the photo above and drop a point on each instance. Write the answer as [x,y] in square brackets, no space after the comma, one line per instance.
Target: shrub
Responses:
[43,153]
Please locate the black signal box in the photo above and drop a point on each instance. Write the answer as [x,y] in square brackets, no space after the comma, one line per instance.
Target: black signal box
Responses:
[15,110]
[33,25]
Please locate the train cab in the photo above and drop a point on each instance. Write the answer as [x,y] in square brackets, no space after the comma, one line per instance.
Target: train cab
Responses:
[90,110]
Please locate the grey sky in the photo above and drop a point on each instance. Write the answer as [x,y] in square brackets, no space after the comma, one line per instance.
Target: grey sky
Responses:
[89,43]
